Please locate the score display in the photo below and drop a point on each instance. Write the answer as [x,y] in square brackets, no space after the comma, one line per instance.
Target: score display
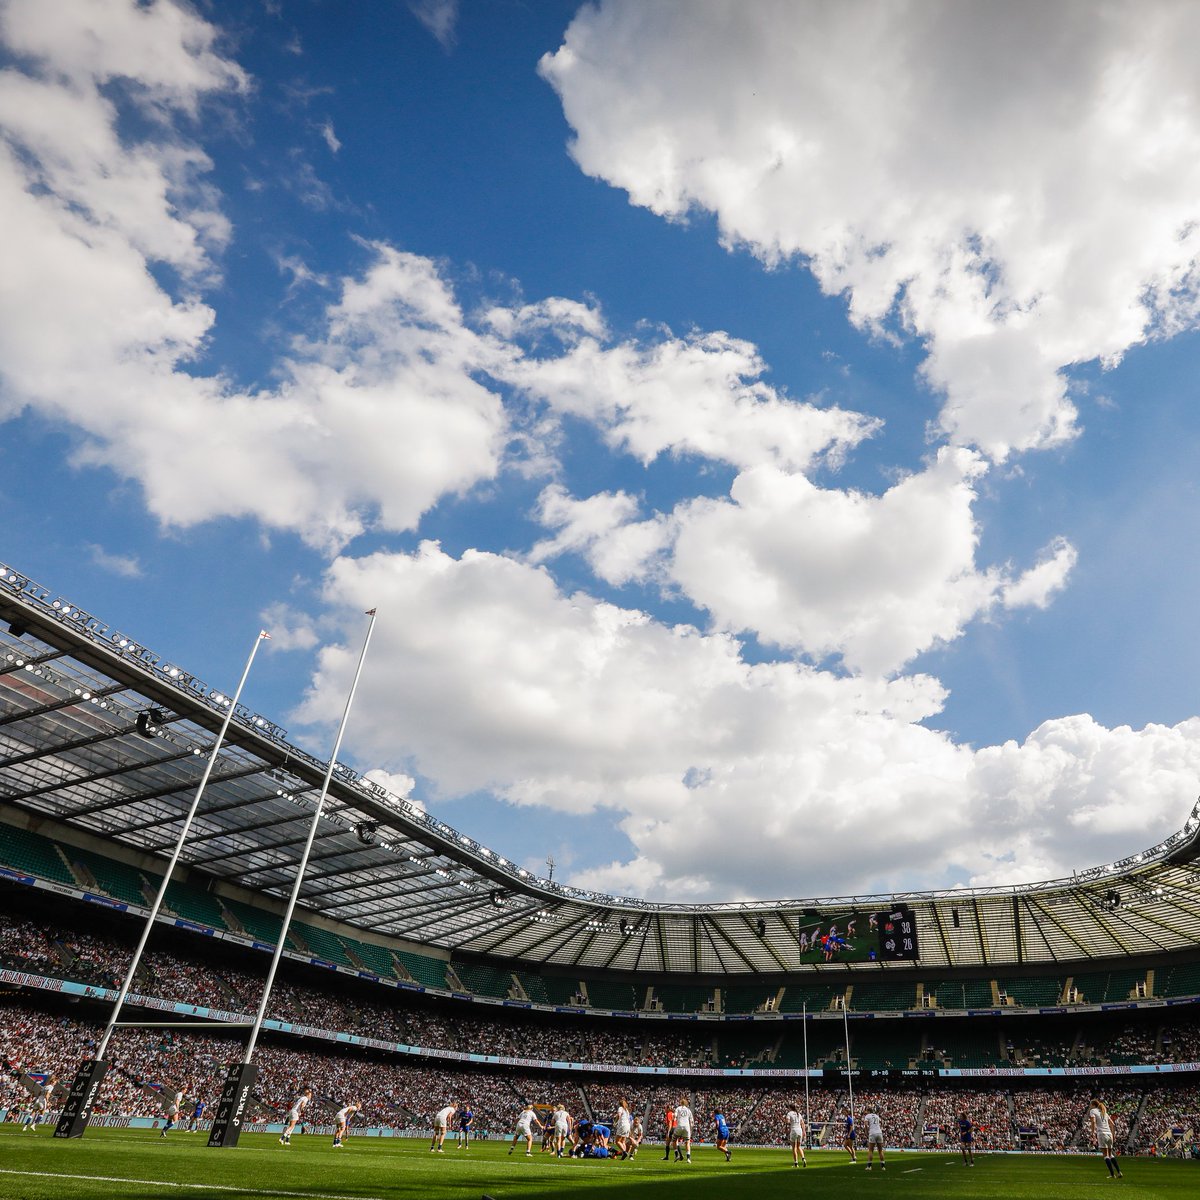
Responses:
[897,934]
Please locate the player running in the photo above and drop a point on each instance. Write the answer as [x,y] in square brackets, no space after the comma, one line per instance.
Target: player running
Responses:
[1103,1136]
[441,1122]
[197,1114]
[796,1135]
[36,1109]
[721,1126]
[295,1115]
[966,1139]
[525,1123]
[342,1119]
[874,1138]
[172,1104]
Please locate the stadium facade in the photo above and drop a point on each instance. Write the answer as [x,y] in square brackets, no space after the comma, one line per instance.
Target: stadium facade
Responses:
[102,745]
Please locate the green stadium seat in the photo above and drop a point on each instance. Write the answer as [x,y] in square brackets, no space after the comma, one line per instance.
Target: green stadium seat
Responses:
[33,854]
[116,879]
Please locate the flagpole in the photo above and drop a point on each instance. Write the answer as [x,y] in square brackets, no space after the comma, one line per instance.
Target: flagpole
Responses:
[187,825]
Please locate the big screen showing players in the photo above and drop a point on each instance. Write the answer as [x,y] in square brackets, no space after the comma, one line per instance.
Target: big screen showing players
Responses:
[897,934]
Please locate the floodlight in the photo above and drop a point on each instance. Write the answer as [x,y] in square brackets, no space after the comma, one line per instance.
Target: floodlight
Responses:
[150,722]
[365,831]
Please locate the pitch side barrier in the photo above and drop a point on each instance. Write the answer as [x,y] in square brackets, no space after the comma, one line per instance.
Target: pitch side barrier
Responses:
[918,1014]
[68,987]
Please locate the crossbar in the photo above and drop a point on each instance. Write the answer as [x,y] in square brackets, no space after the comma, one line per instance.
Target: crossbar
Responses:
[184,1025]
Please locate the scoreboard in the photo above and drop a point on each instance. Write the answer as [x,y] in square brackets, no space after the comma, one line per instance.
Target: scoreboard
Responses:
[897,934]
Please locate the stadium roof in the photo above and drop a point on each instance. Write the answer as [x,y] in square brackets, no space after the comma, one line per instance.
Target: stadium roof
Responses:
[72,689]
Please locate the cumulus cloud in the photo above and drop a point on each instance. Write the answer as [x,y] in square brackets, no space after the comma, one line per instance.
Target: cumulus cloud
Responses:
[567,703]
[873,580]
[1016,186]
[379,412]
[700,395]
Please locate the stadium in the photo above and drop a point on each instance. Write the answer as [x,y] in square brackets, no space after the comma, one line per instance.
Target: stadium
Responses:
[421,969]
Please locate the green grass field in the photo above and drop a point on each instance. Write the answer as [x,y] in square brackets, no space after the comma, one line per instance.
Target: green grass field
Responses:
[139,1165]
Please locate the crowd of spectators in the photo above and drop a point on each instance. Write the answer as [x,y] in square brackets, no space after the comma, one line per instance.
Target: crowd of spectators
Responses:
[403,1095]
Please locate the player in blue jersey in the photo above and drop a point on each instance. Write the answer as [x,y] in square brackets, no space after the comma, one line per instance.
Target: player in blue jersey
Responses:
[194,1119]
[966,1139]
[462,1134]
[722,1130]
[849,1138]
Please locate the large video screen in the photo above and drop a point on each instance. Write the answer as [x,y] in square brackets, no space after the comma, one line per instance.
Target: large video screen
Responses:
[857,935]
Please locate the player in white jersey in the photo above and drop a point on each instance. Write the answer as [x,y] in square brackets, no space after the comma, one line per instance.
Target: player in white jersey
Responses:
[441,1122]
[795,1128]
[37,1108]
[1103,1135]
[172,1103]
[874,1138]
[623,1127]
[343,1120]
[683,1129]
[561,1121]
[525,1123]
[295,1115]
[635,1135]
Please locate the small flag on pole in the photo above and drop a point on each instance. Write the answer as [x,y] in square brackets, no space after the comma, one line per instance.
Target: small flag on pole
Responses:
[262,633]
[370,612]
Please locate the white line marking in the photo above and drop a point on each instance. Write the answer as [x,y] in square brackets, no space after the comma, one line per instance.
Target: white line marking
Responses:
[208,1187]
[910,1170]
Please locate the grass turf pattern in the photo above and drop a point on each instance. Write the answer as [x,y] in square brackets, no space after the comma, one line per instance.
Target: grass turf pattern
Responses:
[140,1165]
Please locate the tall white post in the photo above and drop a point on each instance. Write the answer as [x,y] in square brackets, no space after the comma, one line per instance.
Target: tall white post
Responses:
[849,1077]
[308,845]
[807,1104]
[183,832]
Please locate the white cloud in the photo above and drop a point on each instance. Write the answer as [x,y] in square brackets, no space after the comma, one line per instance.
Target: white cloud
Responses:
[701,395]
[328,136]
[729,778]
[1105,793]
[1019,188]
[1038,586]
[125,565]
[379,413]
[440,17]
[602,529]
[290,629]
[875,580]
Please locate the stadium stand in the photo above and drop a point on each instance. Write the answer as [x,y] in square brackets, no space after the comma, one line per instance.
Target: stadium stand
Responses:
[1035,992]
[423,967]
[116,879]
[194,904]
[962,993]
[484,979]
[603,993]
[873,996]
[24,850]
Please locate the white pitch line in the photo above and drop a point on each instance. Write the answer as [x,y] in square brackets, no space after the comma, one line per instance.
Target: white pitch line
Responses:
[208,1187]
[910,1170]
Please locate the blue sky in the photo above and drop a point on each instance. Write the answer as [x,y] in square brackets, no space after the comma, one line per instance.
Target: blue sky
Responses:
[758,428]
